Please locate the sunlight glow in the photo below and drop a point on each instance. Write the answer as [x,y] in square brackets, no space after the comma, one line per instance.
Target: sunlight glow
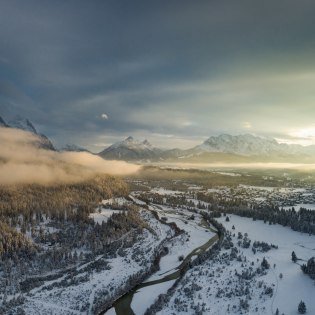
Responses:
[304,133]
[303,136]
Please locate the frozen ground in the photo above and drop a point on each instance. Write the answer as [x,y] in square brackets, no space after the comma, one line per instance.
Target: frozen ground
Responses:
[294,286]
[80,292]
[218,289]
[195,235]
[102,215]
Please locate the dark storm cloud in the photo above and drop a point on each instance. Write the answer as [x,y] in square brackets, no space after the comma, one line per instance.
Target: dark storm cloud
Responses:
[168,68]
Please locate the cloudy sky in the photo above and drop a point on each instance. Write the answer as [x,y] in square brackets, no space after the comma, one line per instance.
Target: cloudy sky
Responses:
[175,72]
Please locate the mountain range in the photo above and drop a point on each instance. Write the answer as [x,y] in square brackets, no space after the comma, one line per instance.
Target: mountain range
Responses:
[216,149]
[222,148]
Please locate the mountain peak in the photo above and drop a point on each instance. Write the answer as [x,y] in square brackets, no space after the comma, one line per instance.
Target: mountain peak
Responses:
[26,125]
[23,123]
[147,143]
[131,149]
[3,123]
[129,139]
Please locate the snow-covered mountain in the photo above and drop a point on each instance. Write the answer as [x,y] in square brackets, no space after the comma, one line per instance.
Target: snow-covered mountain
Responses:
[131,149]
[24,124]
[240,148]
[247,145]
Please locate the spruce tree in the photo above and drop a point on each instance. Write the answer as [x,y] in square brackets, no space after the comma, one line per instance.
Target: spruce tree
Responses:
[265,263]
[293,256]
[302,308]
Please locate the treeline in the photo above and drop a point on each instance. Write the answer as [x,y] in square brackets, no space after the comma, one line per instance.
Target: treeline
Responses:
[25,208]
[302,220]
[57,201]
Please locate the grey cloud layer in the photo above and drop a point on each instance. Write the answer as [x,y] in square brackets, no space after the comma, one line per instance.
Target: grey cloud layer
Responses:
[176,68]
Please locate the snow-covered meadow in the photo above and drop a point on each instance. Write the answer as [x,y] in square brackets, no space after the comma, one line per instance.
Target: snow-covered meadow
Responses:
[294,286]
[219,289]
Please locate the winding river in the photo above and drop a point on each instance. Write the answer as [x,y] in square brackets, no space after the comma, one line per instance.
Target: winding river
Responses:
[122,306]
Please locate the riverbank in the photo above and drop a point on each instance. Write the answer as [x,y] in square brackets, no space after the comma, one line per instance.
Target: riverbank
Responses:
[142,296]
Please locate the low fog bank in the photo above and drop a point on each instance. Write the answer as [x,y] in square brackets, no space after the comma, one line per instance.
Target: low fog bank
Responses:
[21,161]
[254,165]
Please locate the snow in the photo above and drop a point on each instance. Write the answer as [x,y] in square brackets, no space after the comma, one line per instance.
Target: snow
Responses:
[103,215]
[79,297]
[257,187]
[120,201]
[229,174]
[295,286]
[147,295]
[136,200]
[163,191]
[288,291]
[194,187]
[198,235]
[184,244]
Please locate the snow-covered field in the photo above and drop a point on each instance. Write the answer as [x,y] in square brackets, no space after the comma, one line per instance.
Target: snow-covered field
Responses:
[213,276]
[294,286]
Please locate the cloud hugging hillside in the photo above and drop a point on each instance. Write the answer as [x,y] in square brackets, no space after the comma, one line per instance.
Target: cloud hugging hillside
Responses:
[28,157]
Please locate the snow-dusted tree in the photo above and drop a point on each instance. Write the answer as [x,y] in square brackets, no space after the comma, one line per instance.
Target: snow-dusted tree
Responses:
[265,264]
[293,257]
[302,308]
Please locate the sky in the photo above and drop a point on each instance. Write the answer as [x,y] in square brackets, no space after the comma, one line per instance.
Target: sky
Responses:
[175,72]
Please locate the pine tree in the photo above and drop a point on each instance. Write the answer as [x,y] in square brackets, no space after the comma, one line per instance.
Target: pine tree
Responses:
[302,308]
[294,258]
[265,263]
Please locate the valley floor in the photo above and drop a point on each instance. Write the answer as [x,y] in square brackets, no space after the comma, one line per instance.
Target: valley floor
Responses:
[252,273]
[219,289]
